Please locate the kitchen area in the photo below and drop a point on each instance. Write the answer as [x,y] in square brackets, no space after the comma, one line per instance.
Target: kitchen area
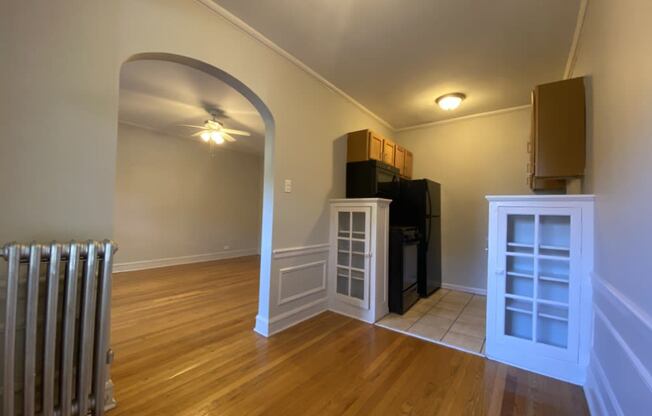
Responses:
[417,303]
[387,239]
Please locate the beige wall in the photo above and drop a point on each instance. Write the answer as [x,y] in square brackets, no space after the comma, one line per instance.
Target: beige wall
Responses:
[614,53]
[174,198]
[60,80]
[470,158]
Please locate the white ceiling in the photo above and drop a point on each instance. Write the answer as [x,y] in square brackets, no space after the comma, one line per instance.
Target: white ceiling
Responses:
[396,56]
[161,96]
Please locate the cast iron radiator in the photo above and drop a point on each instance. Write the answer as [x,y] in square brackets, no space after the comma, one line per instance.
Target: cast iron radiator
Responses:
[56,327]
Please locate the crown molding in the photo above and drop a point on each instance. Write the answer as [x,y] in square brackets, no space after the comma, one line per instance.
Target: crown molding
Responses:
[572,53]
[240,24]
[462,118]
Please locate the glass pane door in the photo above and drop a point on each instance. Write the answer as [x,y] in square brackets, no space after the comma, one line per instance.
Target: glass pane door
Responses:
[352,254]
[536,259]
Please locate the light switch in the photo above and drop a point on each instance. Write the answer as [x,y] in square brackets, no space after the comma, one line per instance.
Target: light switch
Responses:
[288,185]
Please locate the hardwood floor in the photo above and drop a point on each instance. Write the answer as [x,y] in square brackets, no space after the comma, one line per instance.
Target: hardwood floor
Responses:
[184,345]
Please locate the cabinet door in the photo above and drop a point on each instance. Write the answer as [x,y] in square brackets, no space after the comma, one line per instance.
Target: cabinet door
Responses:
[389,149]
[538,287]
[408,164]
[399,160]
[375,146]
[353,255]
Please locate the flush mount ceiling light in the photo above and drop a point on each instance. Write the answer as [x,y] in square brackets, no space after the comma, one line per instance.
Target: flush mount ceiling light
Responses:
[451,101]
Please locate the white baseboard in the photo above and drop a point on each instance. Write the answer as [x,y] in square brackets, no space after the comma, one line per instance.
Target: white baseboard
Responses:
[173,261]
[269,327]
[468,289]
[598,393]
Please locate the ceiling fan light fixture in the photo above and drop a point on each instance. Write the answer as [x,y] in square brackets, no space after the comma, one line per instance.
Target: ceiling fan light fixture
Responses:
[217,137]
[205,136]
[449,102]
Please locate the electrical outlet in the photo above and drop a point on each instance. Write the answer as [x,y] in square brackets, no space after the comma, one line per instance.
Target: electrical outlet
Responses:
[288,186]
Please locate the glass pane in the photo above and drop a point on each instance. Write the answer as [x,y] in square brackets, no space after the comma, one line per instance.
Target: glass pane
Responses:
[520,230]
[520,266]
[555,291]
[358,246]
[518,324]
[550,269]
[518,305]
[342,285]
[554,233]
[343,259]
[342,245]
[552,332]
[357,261]
[553,311]
[357,288]
[522,286]
[343,224]
[358,225]
[355,274]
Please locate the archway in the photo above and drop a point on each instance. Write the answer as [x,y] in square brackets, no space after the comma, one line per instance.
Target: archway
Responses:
[268,156]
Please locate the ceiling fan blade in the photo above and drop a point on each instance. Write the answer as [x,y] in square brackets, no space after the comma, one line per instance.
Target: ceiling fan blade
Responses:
[228,137]
[238,132]
[189,125]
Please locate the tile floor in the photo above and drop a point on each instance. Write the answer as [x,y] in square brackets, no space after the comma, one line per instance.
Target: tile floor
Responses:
[448,317]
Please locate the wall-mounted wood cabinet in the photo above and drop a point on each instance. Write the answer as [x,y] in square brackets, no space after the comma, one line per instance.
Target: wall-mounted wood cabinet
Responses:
[407,169]
[399,159]
[365,145]
[558,142]
[389,152]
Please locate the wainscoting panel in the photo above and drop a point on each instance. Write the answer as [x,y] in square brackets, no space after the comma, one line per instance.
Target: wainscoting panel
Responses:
[298,287]
[619,380]
[296,282]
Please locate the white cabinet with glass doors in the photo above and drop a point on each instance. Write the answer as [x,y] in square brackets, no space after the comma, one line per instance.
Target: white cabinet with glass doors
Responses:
[358,257]
[538,299]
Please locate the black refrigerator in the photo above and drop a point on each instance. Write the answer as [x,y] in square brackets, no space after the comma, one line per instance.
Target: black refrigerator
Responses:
[419,205]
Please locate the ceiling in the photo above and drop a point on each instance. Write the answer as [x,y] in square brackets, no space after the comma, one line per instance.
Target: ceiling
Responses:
[395,56]
[162,96]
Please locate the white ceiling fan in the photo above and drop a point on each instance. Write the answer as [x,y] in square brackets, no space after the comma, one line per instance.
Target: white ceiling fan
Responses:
[213,131]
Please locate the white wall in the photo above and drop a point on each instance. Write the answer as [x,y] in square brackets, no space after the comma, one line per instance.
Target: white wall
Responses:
[176,201]
[470,158]
[60,65]
[614,52]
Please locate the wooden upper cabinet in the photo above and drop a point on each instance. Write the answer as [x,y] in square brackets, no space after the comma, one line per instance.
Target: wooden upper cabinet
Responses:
[558,141]
[375,146]
[407,165]
[399,159]
[364,145]
[389,150]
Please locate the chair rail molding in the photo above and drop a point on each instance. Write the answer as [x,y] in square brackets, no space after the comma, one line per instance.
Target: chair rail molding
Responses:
[281,253]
